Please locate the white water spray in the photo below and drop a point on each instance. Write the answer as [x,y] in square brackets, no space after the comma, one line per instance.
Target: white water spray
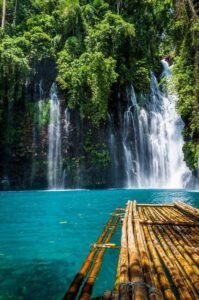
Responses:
[152,139]
[55,172]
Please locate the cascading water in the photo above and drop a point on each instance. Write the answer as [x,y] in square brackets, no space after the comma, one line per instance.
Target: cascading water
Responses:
[55,172]
[165,138]
[39,103]
[67,128]
[130,141]
[67,122]
[151,139]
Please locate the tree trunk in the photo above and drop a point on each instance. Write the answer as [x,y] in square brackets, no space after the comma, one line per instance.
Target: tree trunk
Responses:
[119,4]
[3,14]
[15,13]
[192,8]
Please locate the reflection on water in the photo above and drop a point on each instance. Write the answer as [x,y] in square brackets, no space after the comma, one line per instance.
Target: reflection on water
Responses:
[44,237]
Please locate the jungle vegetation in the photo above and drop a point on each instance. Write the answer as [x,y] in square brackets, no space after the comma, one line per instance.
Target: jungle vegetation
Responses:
[96,45]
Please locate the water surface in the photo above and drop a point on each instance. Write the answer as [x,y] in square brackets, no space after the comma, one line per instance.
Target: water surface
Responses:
[45,236]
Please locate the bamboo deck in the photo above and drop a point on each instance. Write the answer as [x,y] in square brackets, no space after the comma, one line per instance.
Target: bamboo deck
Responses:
[159,254]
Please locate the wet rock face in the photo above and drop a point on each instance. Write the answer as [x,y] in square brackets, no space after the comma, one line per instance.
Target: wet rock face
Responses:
[116,153]
[25,141]
[21,141]
[192,180]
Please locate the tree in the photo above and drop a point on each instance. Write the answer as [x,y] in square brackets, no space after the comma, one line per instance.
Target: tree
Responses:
[3,14]
[88,81]
[14,66]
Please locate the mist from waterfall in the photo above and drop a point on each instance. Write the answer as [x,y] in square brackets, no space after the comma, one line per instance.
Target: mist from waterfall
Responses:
[55,168]
[151,139]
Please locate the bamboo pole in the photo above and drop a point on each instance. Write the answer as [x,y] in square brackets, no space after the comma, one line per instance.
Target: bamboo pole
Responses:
[189,270]
[107,246]
[169,264]
[192,258]
[185,256]
[139,291]
[173,223]
[181,265]
[135,267]
[124,260]
[162,279]
[115,292]
[181,242]
[169,232]
[191,233]
[180,214]
[191,225]
[152,278]
[141,251]
[165,218]
[183,236]
[76,283]
[182,239]
[185,268]
[152,266]
[174,252]
[177,214]
[181,246]
[155,205]
[88,286]
[194,212]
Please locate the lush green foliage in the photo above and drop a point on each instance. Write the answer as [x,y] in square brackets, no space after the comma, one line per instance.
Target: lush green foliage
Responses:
[94,44]
[191,152]
[98,46]
[41,113]
[88,77]
[88,80]
[13,67]
[98,154]
[185,31]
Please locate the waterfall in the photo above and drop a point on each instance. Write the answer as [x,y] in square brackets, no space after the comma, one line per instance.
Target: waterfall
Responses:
[67,129]
[130,141]
[67,122]
[38,106]
[55,172]
[165,136]
[151,138]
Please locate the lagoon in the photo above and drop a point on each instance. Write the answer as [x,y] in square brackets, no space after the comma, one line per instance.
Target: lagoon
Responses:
[46,235]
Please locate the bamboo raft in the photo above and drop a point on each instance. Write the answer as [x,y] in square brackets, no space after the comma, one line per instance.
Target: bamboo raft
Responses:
[159,254]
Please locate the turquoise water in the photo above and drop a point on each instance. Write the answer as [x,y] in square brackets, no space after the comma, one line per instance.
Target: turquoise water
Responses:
[45,236]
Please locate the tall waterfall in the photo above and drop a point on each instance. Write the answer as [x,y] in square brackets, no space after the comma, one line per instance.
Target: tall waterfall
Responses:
[151,139]
[55,172]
